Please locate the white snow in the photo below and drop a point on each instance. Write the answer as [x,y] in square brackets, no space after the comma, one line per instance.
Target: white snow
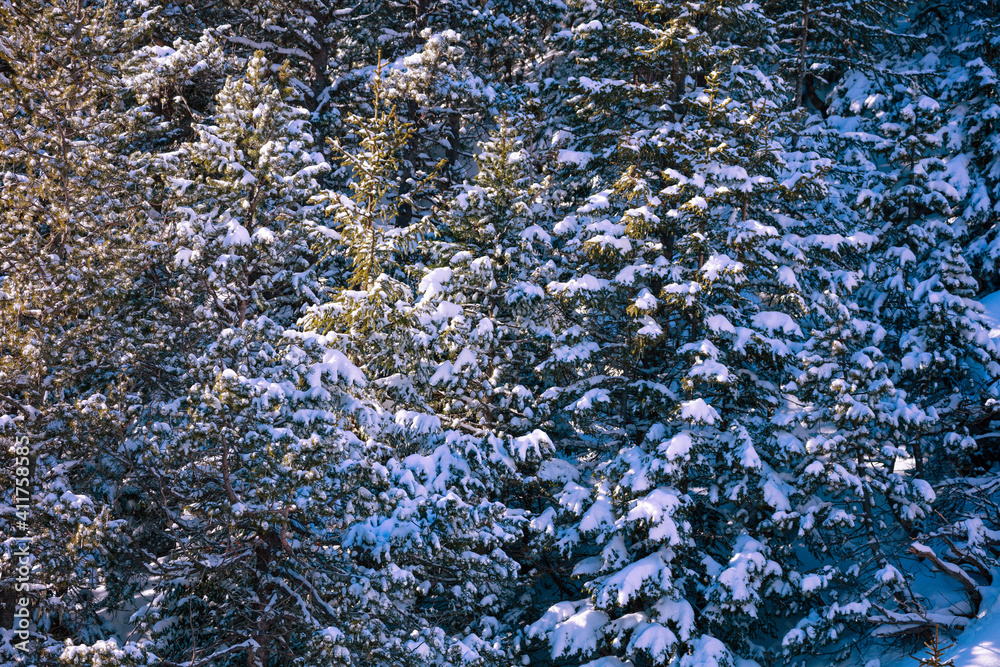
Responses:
[649,327]
[430,284]
[720,324]
[657,508]
[443,373]
[720,264]
[556,614]
[698,410]
[979,644]
[578,633]
[811,582]
[558,470]
[709,369]
[578,158]
[587,401]
[776,321]
[991,304]
[645,300]
[537,441]
[341,368]
[654,639]
[627,583]
[586,282]
[466,358]
[678,446]
[599,514]
[238,235]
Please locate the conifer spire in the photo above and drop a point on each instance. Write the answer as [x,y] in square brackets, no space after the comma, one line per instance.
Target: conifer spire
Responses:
[935,653]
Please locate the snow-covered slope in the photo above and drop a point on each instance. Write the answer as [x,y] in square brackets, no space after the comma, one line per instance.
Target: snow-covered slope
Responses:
[991,303]
[978,645]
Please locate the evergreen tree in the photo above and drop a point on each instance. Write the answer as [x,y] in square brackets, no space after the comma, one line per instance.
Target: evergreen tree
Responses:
[73,376]
[681,311]
[835,43]
[611,332]
[236,198]
[850,508]
[968,83]
[921,289]
[493,250]
[425,359]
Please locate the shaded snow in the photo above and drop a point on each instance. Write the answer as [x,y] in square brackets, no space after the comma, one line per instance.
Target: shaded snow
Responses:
[991,304]
[978,645]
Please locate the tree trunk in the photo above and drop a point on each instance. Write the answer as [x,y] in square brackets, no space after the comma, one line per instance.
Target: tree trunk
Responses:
[404,215]
[803,40]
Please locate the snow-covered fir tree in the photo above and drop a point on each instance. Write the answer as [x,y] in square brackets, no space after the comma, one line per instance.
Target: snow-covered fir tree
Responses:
[73,371]
[842,433]
[921,287]
[682,307]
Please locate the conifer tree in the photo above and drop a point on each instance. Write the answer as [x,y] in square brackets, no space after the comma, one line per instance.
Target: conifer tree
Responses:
[935,653]
[682,306]
[468,333]
[174,87]
[73,377]
[828,43]
[850,508]
[237,195]
[306,523]
[921,288]
[411,351]
[492,254]
[970,85]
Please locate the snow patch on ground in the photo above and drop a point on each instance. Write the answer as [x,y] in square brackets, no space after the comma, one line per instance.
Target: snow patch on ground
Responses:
[978,645]
[991,304]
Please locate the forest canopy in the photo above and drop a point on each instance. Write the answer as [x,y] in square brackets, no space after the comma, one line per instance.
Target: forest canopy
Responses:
[471,333]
